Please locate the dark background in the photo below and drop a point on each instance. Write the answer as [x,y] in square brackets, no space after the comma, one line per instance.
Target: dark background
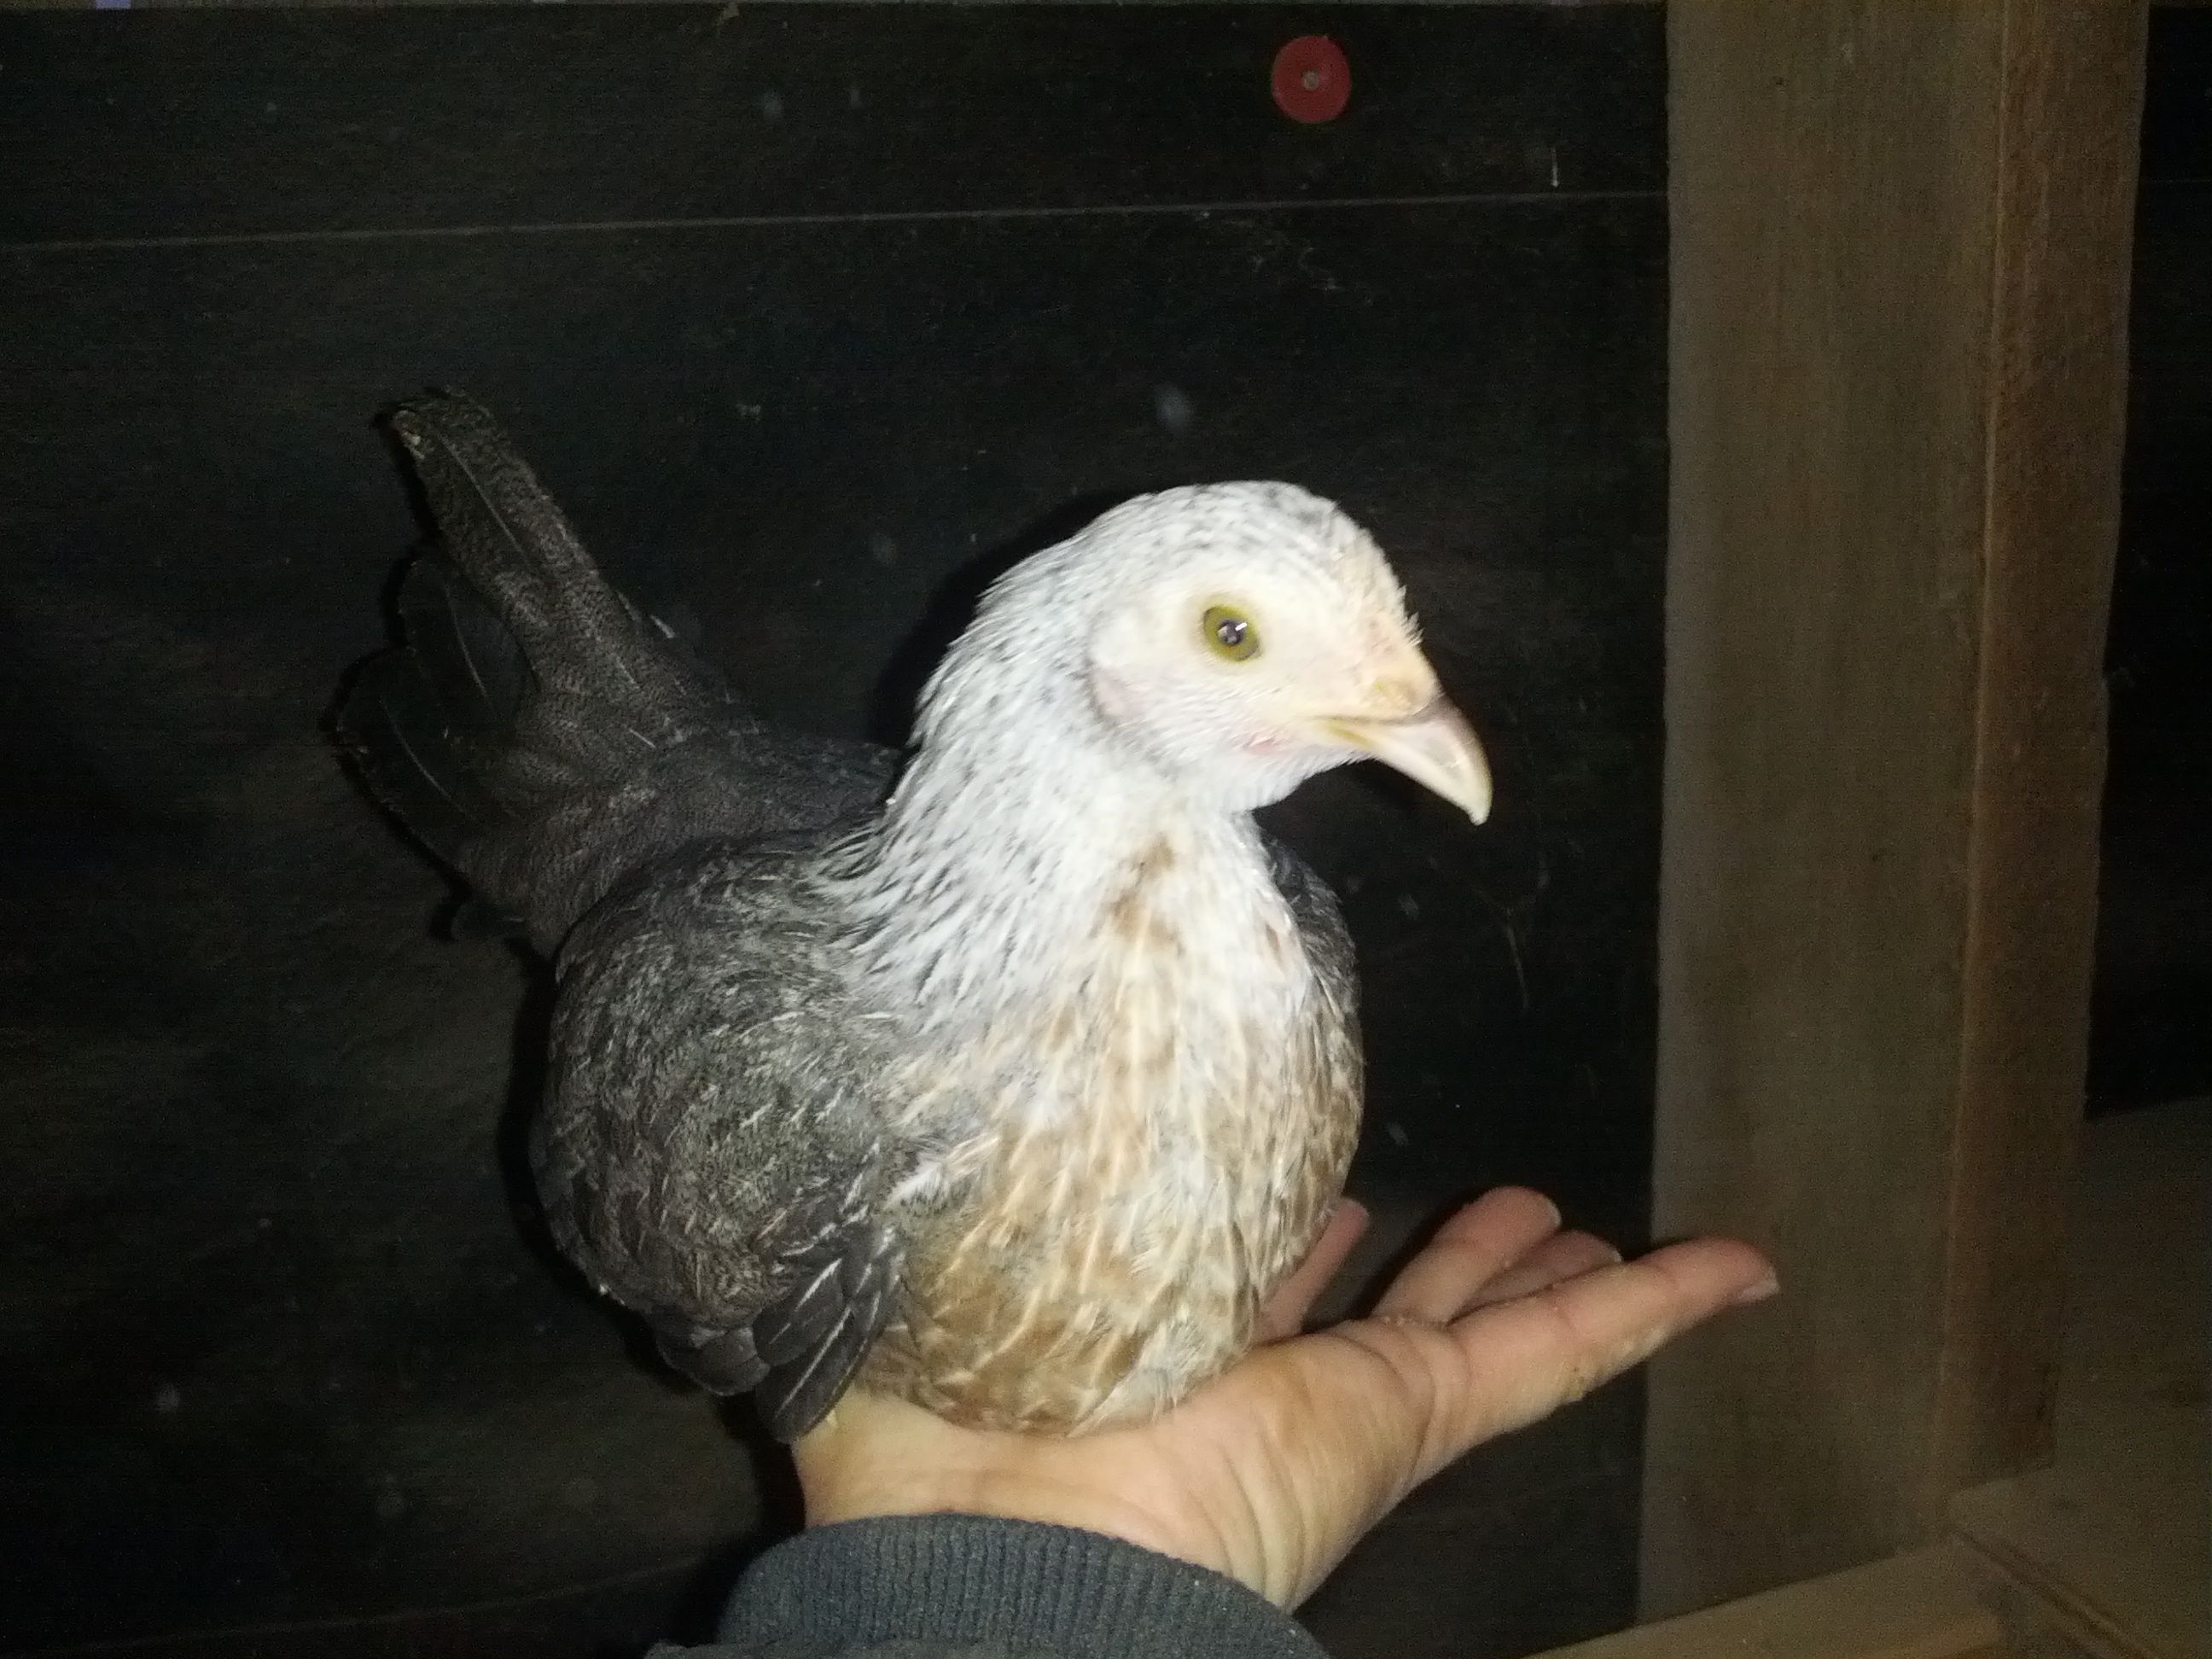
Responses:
[812,316]
[2151,1023]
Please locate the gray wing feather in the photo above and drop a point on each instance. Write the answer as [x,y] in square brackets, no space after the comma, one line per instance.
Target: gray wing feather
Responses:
[707,1152]
[711,1153]
[1327,941]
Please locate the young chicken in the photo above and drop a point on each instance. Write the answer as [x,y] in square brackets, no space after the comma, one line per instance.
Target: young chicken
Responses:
[1014,1093]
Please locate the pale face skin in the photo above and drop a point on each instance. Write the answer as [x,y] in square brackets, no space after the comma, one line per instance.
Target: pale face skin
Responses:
[1245,681]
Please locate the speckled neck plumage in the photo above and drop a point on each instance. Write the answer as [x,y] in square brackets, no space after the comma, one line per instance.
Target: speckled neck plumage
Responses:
[1021,831]
[1162,1091]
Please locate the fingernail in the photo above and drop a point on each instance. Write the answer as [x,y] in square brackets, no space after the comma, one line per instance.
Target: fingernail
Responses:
[1758,1292]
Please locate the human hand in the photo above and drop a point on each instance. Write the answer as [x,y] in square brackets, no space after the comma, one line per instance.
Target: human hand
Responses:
[1273,1472]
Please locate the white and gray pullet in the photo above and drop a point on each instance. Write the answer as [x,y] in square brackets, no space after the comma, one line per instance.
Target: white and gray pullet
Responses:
[1010,1079]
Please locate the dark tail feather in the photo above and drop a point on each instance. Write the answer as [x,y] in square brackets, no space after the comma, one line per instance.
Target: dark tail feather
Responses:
[395,722]
[510,541]
[467,653]
[527,689]
[426,723]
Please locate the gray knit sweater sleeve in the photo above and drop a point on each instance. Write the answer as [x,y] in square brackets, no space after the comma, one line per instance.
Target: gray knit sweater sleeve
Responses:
[974,1587]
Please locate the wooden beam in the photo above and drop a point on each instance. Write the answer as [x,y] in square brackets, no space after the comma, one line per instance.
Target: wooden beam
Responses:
[2112,1539]
[1927,1605]
[1899,287]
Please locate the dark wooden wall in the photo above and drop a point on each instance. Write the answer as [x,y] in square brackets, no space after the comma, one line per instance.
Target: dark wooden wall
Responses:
[812,316]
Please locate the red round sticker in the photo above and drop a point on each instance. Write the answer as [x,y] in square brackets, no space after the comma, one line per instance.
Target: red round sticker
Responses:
[1311,79]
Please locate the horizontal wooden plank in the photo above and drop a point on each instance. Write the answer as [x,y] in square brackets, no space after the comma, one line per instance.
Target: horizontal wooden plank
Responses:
[1921,1605]
[117,126]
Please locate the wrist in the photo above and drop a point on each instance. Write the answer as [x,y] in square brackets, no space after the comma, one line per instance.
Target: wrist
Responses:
[840,1488]
[872,1459]
[984,1581]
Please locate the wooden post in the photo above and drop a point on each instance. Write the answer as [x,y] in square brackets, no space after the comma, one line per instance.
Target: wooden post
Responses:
[1900,256]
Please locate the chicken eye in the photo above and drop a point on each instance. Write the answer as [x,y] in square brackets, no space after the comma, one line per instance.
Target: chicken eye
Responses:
[1231,633]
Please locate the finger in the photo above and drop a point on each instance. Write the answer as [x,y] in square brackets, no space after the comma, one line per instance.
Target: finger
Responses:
[1468,1251]
[1563,1255]
[1286,1312]
[1524,1359]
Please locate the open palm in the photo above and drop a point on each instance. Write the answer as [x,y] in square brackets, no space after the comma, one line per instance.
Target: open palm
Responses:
[1271,1473]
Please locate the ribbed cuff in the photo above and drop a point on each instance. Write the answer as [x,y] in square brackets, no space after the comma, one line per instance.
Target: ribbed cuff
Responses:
[981,1580]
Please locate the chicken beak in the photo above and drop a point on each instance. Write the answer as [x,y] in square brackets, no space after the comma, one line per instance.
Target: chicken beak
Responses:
[1434,747]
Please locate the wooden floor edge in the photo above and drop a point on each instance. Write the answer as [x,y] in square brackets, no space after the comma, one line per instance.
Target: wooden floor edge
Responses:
[1922,1605]
[2069,1607]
